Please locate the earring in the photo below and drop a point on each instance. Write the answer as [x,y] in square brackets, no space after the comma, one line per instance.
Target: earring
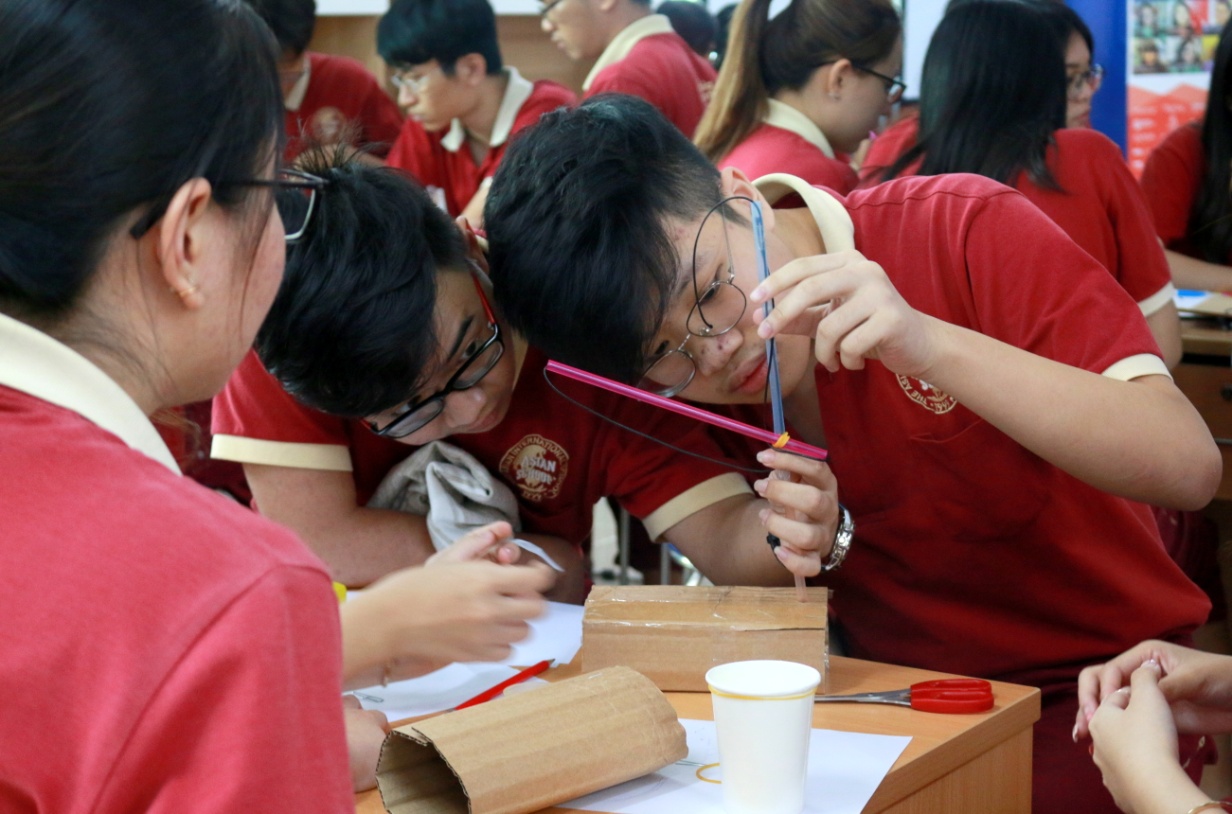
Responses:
[185,293]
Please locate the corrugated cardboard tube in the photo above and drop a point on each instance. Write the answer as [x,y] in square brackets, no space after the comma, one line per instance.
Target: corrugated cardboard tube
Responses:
[532,750]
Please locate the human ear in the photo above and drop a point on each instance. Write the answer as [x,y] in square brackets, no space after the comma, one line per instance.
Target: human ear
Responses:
[839,74]
[733,182]
[471,68]
[181,241]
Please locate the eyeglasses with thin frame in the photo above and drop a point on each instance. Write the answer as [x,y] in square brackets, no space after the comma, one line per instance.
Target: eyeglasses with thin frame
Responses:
[895,87]
[478,364]
[295,195]
[717,308]
[547,7]
[403,80]
[1091,78]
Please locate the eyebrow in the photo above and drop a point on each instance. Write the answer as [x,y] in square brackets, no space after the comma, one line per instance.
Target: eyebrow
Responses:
[461,337]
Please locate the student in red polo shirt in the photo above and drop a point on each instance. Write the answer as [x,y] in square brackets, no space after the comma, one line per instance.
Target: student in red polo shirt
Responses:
[993,102]
[327,97]
[994,403]
[800,92]
[375,353]
[635,52]
[462,103]
[1186,180]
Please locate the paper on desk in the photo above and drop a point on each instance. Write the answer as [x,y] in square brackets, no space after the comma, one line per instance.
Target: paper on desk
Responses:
[844,770]
[555,635]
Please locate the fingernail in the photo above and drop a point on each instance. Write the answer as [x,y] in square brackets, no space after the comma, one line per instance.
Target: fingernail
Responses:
[766,456]
[764,330]
[1152,663]
[1091,750]
[1074,734]
[764,515]
[759,486]
[757,294]
[1089,712]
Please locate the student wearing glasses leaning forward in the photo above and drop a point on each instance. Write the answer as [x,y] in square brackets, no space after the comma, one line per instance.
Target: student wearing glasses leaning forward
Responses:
[367,355]
[994,403]
[800,92]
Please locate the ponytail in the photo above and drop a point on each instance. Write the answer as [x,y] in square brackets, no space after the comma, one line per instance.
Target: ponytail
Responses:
[740,96]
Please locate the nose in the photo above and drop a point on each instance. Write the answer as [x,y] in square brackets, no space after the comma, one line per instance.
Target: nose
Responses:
[713,354]
[546,24]
[407,97]
[465,406]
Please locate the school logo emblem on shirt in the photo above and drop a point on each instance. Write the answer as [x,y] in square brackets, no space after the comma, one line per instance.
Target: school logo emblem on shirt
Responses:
[328,125]
[927,396]
[537,466]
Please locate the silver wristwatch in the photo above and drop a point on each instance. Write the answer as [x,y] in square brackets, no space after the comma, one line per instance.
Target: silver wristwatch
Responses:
[842,540]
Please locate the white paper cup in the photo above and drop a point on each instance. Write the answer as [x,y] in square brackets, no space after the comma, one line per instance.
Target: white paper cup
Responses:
[763,711]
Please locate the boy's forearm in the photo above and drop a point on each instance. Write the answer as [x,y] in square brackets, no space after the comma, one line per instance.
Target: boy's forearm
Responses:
[358,544]
[727,543]
[1190,272]
[1140,439]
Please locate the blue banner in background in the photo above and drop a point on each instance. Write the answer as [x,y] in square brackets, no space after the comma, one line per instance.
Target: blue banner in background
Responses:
[1108,23]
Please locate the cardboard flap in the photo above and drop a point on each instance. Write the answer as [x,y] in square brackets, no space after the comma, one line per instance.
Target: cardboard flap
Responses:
[734,607]
[532,750]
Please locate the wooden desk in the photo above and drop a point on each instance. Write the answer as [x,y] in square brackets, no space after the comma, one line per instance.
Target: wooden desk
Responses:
[1205,376]
[954,763]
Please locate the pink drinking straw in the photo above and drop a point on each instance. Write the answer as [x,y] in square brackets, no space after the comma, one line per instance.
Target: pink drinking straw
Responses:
[766,436]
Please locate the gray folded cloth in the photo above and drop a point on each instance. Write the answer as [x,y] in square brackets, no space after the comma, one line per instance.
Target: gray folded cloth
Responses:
[452,489]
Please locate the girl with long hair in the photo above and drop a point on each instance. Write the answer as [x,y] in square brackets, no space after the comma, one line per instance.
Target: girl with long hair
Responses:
[798,93]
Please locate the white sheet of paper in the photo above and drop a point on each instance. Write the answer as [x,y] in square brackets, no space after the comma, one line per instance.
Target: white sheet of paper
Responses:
[845,768]
[555,635]
[435,692]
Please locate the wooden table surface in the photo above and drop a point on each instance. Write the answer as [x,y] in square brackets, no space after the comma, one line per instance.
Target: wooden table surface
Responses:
[954,763]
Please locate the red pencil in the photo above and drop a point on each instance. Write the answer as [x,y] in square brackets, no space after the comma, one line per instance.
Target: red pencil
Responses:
[492,692]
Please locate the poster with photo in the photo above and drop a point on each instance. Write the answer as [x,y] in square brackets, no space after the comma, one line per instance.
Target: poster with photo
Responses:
[1172,46]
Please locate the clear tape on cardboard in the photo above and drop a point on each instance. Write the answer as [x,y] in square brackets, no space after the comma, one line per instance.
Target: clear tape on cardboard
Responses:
[530,751]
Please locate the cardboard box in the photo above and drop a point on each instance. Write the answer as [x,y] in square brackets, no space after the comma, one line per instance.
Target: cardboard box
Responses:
[673,634]
[529,751]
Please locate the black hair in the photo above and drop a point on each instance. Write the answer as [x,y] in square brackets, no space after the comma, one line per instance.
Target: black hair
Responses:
[693,22]
[993,92]
[351,331]
[583,263]
[106,109]
[292,22]
[413,32]
[1210,220]
[1066,21]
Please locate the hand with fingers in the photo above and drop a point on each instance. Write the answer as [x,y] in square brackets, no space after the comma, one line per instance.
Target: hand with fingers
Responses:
[455,609]
[1134,744]
[803,512]
[1197,686]
[365,733]
[848,305]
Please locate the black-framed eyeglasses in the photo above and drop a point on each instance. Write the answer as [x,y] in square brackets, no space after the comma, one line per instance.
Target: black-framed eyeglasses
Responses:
[717,308]
[1091,78]
[895,87]
[478,364]
[547,7]
[295,195]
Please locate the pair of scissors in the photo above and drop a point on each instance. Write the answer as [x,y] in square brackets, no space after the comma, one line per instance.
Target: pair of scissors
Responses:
[939,695]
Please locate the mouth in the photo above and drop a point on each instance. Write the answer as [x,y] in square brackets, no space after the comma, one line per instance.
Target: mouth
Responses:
[486,423]
[751,376]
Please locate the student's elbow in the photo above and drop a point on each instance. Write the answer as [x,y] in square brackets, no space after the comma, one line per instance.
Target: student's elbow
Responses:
[1206,474]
